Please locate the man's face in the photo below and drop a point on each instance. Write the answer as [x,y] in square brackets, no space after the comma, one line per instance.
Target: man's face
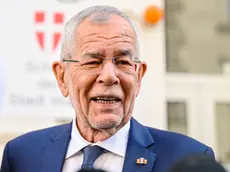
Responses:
[103,100]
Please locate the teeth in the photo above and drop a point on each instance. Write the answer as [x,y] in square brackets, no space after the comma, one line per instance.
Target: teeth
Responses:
[106,102]
[106,98]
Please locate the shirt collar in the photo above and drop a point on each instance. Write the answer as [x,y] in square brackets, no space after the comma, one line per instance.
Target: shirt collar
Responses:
[116,144]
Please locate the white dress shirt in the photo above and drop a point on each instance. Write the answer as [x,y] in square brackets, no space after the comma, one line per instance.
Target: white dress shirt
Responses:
[112,160]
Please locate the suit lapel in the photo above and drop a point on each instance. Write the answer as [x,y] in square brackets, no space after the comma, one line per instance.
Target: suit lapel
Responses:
[139,143]
[53,153]
[140,140]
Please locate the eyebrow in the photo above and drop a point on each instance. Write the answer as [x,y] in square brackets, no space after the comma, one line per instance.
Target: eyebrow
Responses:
[123,52]
[93,55]
[120,52]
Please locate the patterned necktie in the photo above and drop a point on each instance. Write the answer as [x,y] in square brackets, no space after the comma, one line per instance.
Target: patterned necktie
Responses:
[91,153]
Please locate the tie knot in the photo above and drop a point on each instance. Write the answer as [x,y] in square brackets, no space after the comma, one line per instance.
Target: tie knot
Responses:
[90,154]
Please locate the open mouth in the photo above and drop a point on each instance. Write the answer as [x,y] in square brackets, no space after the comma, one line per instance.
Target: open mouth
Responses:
[106,99]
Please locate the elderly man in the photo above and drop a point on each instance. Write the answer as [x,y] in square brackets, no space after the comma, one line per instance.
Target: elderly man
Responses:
[101,72]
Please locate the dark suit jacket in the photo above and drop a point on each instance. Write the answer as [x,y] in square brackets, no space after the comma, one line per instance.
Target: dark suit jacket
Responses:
[44,150]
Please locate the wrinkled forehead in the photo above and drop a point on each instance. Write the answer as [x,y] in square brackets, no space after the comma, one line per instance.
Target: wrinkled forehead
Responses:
[114,33]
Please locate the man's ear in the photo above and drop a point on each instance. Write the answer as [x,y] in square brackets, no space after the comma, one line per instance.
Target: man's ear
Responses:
[140,73]
[59,72]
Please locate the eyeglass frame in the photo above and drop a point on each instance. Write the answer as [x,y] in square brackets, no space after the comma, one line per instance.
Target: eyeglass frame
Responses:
[136,60]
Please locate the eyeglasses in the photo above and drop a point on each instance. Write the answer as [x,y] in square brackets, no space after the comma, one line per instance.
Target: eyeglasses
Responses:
[93,65]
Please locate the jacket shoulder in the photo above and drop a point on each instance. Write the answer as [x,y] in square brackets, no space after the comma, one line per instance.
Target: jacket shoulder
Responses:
[177,141]
[39,137]
[27,148]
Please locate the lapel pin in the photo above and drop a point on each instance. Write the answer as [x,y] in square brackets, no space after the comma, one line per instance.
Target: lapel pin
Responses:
[141,161]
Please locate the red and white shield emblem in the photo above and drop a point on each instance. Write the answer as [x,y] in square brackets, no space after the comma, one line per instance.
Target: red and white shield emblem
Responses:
[41,20]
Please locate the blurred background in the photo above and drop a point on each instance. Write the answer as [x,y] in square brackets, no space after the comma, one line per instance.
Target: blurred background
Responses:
[186,44]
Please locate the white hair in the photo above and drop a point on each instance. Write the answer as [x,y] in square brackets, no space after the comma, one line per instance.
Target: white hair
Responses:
[101,14]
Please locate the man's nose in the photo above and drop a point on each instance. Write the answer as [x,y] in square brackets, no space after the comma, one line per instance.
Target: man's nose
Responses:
[108,74]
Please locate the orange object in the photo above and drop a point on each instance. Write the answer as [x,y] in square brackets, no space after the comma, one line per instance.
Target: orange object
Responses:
[153,14]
